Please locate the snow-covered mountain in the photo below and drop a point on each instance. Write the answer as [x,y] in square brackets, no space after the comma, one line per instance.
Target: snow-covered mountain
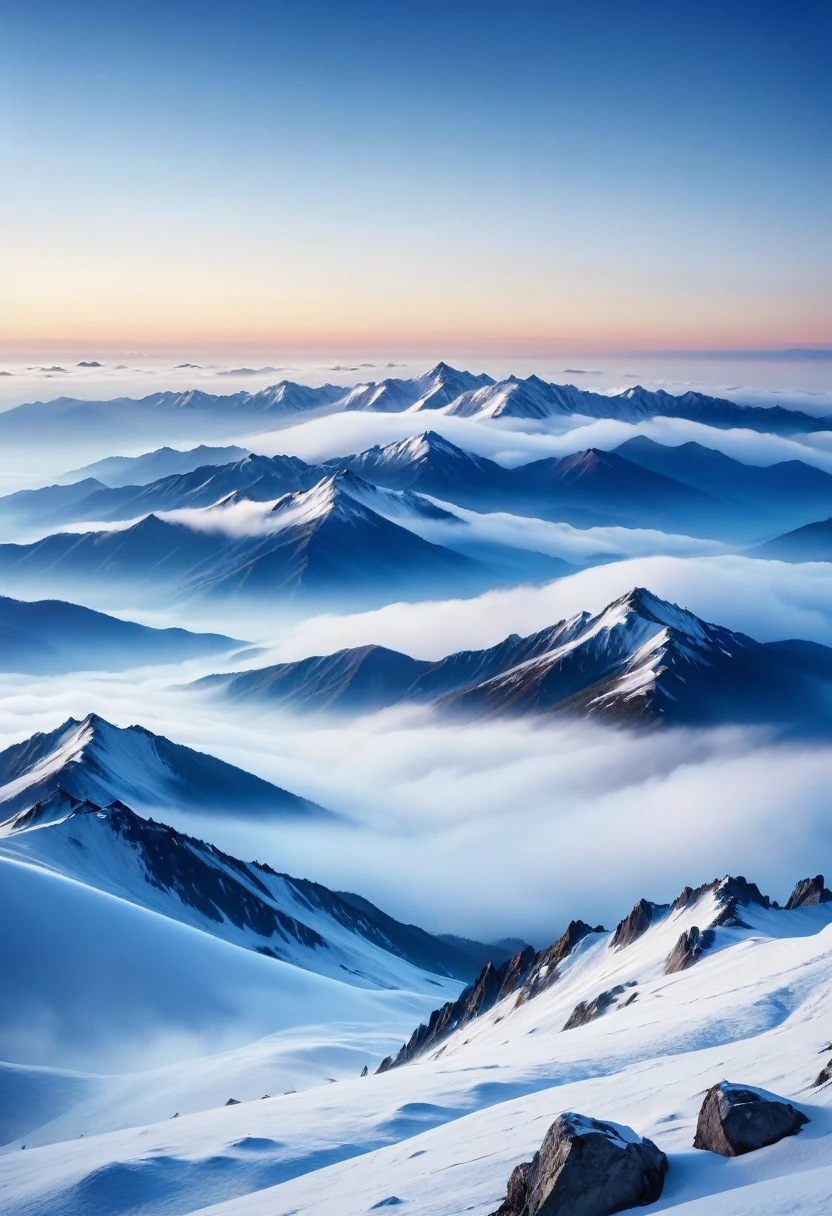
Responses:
[259,477]
[94,761]
[711,496]
[343,535]
[698,921]
[641,659]
[52,636]
[114,850]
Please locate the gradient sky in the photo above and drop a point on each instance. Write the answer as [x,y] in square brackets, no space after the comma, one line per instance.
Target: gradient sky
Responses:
[608,175]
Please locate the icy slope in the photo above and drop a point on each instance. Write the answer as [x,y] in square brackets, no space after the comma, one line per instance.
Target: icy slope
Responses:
[95,760]
[442,1134]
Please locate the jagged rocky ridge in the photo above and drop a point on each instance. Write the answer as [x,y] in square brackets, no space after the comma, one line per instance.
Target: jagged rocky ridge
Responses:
[640,660]
[247,903]
[528,973]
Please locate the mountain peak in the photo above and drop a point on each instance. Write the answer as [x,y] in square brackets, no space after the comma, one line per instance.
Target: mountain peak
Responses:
[645,604]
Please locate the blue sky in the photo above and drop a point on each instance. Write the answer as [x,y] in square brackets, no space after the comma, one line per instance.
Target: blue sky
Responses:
[609,175]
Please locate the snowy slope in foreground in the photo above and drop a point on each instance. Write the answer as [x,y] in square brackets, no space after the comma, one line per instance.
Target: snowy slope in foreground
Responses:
[297,921]
[441,1135]
[93,981]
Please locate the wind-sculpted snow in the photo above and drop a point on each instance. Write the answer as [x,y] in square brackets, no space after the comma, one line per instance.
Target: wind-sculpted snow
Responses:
[641,659]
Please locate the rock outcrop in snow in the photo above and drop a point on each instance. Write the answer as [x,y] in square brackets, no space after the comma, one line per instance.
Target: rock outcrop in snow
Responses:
[690,947]
[635,923]
[736,1119]
[587,1011]
[809,892]
[585,1167]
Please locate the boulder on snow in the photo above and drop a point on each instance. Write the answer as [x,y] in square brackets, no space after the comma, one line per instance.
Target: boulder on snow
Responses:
[586,1168]
[808,892]
[736,1119]
[688,950]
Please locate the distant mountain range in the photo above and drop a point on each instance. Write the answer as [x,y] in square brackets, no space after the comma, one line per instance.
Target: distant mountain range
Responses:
[49,637]
[112,849]
[442,389]
[640,660]
[690,488]
[94,761]
[584,489]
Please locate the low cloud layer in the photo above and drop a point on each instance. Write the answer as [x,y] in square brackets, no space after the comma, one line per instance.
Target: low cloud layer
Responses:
[491,828]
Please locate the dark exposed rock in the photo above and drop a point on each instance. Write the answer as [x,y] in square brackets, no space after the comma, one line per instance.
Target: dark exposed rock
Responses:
[208,880]
[733,894]
[233,1102]
[527,973]
[637,922]
[825,1075]
[586,1168]
[734,1120]
[688,950]
[543,971]
[808,892]
[587,1011]
[364,1071]
[520,1182]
